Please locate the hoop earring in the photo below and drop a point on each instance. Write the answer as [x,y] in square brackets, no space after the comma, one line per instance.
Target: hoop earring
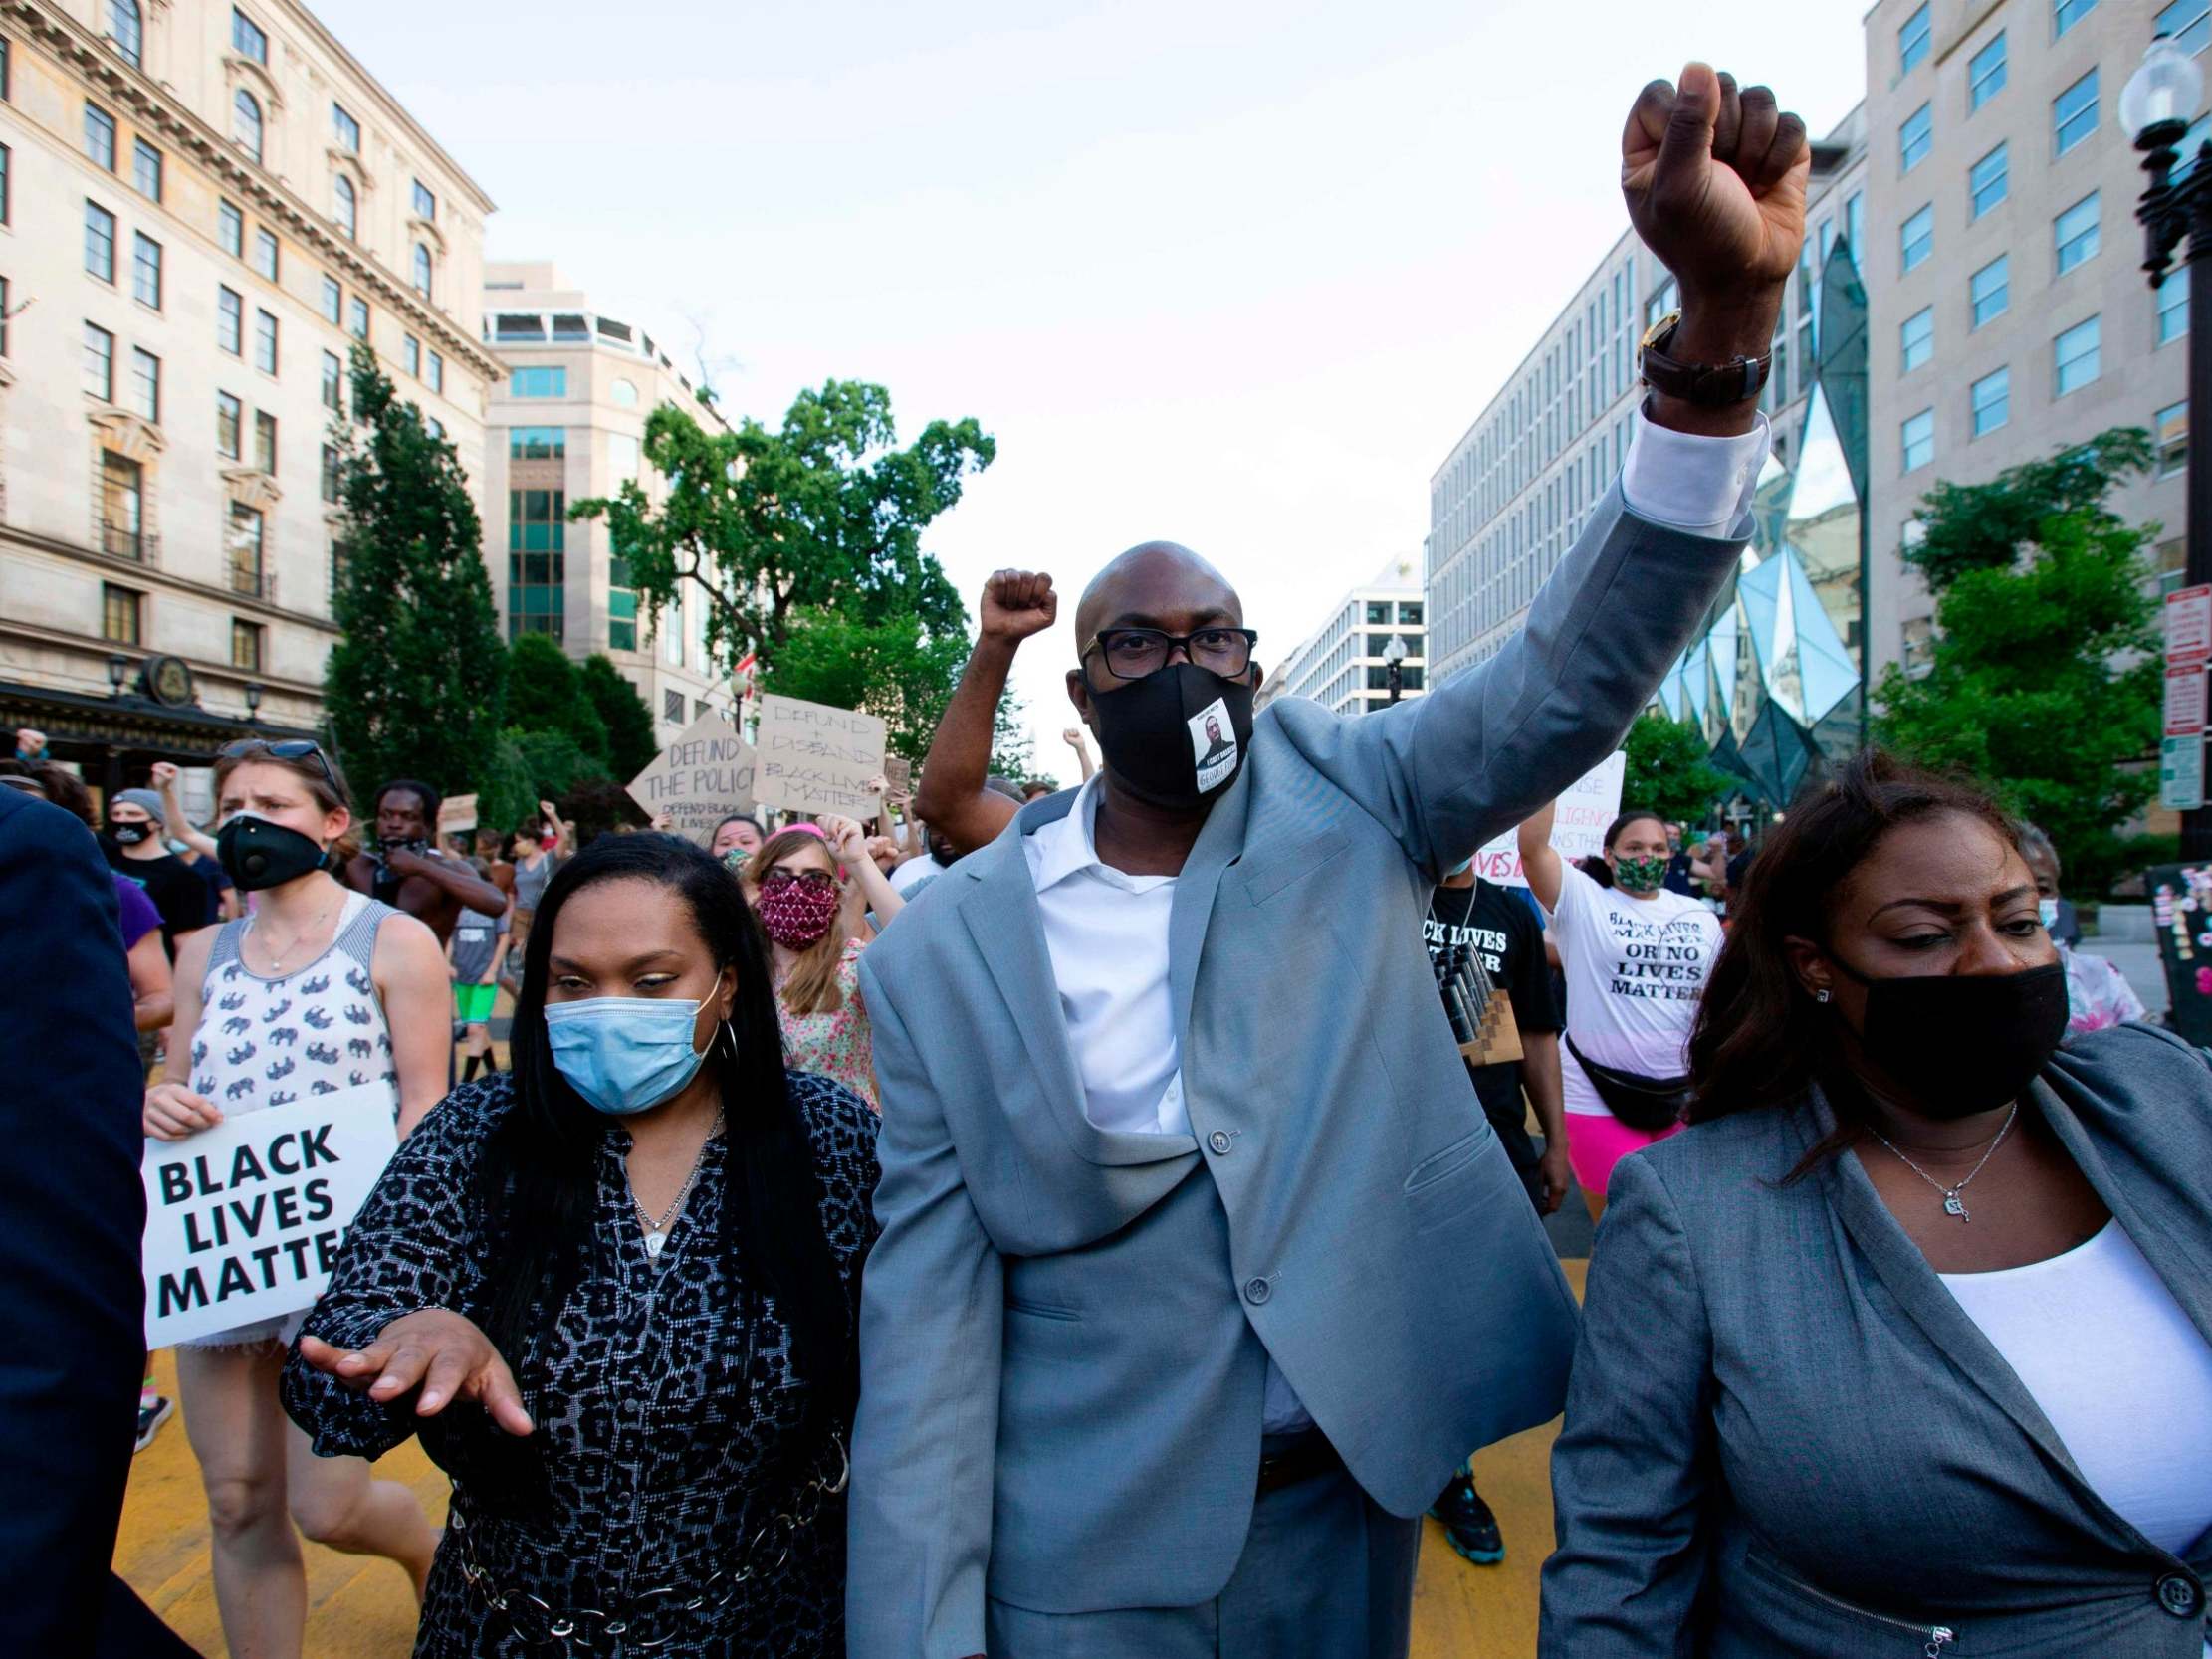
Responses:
[732,1037]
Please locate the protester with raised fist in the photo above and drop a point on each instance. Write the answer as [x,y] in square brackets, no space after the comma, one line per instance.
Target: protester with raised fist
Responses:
[958,799]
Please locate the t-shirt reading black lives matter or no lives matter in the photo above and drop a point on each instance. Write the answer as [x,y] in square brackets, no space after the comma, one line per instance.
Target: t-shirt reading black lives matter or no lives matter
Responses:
[1502,930]
[1636,968]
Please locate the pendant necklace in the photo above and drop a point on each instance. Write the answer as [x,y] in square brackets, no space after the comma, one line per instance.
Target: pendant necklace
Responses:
[1952,1203]
[275,956]
[656,1231]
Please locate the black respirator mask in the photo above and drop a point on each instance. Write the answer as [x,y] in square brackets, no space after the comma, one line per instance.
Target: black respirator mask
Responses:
[257,854]
[1176,736]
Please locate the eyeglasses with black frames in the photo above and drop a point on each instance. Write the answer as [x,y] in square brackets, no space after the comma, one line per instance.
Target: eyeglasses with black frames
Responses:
[1134,653]
[820,879]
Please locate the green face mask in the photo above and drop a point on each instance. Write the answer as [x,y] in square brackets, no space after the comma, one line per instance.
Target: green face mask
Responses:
[1640,875]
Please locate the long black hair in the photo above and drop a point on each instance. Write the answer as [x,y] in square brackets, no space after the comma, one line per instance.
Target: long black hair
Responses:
[541,1164]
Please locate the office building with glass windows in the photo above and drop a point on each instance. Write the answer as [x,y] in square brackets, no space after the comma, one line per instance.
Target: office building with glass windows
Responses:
[566,425]
[1345,665]
[203,205]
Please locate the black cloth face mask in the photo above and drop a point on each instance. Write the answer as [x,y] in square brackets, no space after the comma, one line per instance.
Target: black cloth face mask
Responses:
[1177,735]
[129,835]
[257,854]
[1963,1043]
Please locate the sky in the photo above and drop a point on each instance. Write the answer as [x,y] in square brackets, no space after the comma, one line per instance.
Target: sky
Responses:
[1229,274]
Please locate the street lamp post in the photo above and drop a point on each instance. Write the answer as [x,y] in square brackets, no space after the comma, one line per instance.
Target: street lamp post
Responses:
[1393,657]
[2155,105]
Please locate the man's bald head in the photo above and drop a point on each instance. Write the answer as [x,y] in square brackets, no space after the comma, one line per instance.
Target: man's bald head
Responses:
[1157,584]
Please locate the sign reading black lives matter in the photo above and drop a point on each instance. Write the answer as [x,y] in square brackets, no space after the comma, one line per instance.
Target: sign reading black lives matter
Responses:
[703,778]
[244,1220]
[816,759]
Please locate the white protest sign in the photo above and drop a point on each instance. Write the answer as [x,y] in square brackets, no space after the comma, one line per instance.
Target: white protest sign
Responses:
[816,759]
[456,813]
[1577,831]
[703,778]
[244,1220]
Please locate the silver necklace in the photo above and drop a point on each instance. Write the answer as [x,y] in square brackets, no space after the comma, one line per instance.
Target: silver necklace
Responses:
[275,956]
[1952,1203]
[656,1231]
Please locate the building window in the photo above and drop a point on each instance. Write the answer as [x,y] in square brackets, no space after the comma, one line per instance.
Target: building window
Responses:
[426,205]
[245,122]
[622,455]
[145,383]
[2174,304]
[1992,399]
[100,363]
[330,474]
[1915,138]
[2075,232]
[1988,181]
[2074,111]
[2171,428]
[265,342]
[127,30]
[2070,12]
[244,549]
[245,644]
[7,157]
[422,271]
[624,394]
[230,322]
[437,372]
[1991,290]
[2077,356]
[145,169]
[538,382]
[1985,74]
[672,707]
[1919,434]
[345,205]
[246,38]
[265,441]
[265,253]
[356,318]
[145,270]
[100,242]
[537,443]
[410,354]
[345,130]
[1916,237]
[231,227]
[333,300]
[229,419]
[1409,615]
[2188,21]
[536,542]
[334,381]
[122,499]
[100,136]
[435,427]
[1913,40]
[621,606]
[121,614]
[1916,338]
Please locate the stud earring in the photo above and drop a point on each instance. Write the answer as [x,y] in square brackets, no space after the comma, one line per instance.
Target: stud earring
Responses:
[1820,995]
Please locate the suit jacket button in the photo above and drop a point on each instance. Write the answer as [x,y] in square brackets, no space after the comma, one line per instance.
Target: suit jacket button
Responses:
[1257,1291]
[1218,1140]
[2180,1596]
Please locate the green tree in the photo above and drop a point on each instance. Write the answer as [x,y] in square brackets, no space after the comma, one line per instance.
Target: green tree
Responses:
[1670,771]
[2044,681]
[416,685]
[557,765]
[505,792]
[631,745]
[769,528]
[895,668]
[545,692]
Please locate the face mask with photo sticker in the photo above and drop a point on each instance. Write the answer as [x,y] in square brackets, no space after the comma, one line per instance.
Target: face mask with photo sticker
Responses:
[1176,736]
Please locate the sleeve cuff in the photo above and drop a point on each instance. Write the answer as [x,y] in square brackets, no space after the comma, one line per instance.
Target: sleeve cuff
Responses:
[1686,482]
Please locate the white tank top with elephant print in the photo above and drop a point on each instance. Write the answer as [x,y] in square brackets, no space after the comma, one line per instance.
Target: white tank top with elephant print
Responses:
[315,1029]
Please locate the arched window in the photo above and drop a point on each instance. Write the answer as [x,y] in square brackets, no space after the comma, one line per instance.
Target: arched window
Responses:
[625,394]
[127,30]
[347,206]
[422,271]
[245,122]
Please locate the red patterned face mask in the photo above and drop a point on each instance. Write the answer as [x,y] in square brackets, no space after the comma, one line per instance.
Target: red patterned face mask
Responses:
[794,912]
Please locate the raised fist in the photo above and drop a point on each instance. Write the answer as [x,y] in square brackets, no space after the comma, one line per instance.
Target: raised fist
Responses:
[164,774]
[1716,184]
[1016,604]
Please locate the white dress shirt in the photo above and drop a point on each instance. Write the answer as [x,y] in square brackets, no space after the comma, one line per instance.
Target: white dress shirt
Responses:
[1106,931]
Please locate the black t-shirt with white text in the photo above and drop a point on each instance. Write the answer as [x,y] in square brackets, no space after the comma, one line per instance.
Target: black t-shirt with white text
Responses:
[1505,934]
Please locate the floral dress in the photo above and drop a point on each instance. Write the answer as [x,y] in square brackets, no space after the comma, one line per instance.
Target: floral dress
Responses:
[839,1043]
[670,1429]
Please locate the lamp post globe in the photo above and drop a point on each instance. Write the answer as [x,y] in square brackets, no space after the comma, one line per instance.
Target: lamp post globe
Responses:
[2165,87]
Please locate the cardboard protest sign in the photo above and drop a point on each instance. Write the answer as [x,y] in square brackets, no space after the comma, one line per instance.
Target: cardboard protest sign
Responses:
[703,778]
[1577,831]
[898,771]
[244,1220]
[456,813]
[816,759]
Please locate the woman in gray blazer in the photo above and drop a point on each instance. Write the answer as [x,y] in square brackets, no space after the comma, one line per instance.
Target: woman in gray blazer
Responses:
[1905,1348]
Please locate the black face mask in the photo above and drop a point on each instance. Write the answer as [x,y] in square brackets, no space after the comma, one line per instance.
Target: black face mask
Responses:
[1177,736]
[130,835]
[257,854]
[1963,1043]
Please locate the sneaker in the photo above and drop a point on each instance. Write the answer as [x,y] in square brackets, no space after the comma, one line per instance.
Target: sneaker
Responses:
[153,1414]
[1468,1522]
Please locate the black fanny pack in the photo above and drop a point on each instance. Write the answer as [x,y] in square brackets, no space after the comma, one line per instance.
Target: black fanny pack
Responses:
[1642,1103]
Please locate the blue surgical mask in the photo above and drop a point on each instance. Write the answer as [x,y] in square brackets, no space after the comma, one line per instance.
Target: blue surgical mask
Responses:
[2048,911]
[1462,866]
[624,1054]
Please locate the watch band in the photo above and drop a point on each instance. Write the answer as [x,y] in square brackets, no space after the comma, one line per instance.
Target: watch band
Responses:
[1711,384]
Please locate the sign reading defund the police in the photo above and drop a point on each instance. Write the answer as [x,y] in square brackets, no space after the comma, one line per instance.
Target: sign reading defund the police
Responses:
[816,759]
[244,1220]
[703,778]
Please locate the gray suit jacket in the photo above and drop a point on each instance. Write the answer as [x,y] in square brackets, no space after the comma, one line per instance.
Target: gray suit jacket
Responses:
[1786,1439]
[1062,1328]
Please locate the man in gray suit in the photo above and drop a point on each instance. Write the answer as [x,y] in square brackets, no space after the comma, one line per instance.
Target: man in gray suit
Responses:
[1164,1353]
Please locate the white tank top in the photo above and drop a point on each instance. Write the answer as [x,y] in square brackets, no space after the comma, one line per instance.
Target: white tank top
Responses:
[312,1030]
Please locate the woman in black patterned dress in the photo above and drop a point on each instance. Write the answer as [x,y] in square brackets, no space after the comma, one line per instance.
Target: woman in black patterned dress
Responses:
[614,1292]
